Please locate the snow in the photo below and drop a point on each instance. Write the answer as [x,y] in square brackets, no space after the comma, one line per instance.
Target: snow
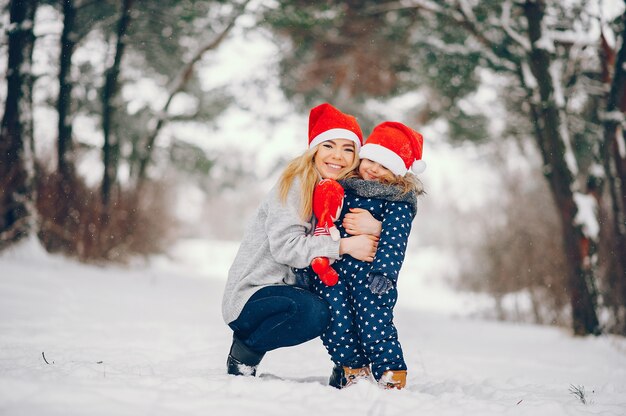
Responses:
[148,339]
[587,215]
[546,42]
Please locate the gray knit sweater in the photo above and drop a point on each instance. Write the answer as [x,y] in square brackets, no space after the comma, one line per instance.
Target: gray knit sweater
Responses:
[276,240]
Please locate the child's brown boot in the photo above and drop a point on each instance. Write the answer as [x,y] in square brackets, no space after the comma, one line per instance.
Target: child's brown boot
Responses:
[393,379]
[354,375]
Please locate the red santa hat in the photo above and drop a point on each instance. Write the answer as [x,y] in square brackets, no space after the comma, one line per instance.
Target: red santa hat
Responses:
[328,123]
[396,147]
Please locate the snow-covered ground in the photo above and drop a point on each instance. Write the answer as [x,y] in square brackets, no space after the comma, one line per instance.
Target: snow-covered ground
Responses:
[149,340]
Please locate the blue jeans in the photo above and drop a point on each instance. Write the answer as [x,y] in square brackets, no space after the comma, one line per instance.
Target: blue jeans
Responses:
[280,316]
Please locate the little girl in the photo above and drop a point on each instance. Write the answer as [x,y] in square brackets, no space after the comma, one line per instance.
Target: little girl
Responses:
[361,332]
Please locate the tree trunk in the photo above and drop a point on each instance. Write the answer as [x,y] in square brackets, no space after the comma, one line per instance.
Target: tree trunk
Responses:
[65,148]
[111,147]
[614,160]
[17,167]
[561,180]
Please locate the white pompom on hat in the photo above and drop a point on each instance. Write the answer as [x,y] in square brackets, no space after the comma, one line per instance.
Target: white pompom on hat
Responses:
[396,147]
[328,123]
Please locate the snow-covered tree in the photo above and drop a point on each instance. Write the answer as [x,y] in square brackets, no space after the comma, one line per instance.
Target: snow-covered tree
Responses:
[541,55]
[614,160]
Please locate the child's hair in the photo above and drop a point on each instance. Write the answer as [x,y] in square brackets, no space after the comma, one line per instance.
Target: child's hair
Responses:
[304,168]
[407,183]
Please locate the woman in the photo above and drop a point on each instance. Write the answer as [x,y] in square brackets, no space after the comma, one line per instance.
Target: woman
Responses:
[261,304]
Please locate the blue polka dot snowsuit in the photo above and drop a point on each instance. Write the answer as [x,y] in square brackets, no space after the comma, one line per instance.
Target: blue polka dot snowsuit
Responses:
[361,331]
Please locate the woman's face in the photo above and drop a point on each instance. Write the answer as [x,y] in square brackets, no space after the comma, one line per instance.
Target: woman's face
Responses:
[333,157]
[371,171]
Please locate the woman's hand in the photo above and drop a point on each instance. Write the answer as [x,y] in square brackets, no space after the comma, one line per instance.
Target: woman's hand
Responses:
[361,247]
[359,221]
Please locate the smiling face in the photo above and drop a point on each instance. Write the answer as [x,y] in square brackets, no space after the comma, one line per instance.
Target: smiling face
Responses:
[333,157]
[371,171]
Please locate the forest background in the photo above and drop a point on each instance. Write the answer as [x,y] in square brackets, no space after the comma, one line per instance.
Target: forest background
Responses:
[124,130]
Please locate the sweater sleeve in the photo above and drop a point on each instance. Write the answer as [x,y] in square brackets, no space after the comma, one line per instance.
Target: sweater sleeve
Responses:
[394,236]
[287,233]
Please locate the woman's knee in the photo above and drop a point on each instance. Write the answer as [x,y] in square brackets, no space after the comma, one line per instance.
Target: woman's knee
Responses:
[306,310]
[318,316]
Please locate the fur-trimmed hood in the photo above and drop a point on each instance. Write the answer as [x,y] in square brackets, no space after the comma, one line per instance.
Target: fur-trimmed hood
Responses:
[375,189]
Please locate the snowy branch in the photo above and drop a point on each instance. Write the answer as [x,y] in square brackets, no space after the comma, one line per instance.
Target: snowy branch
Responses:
[615,116]
[425,5]
[179,82]
[467,11]
[505,20]
[494,61]
[621,146]
[463,16]
[185,73]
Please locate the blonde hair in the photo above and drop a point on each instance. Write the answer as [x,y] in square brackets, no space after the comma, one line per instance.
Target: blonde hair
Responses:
[303,167]
[407,183]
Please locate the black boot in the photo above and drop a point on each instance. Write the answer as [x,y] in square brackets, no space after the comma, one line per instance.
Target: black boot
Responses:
[337,379]
[242,361]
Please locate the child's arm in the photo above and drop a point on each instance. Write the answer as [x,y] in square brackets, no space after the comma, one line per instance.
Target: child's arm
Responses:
[396,227]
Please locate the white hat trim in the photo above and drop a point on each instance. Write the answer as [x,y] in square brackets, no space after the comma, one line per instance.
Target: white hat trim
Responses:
[333,134]
[385,157]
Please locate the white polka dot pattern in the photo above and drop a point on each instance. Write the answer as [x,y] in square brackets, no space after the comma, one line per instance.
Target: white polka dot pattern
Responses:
[361,331]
